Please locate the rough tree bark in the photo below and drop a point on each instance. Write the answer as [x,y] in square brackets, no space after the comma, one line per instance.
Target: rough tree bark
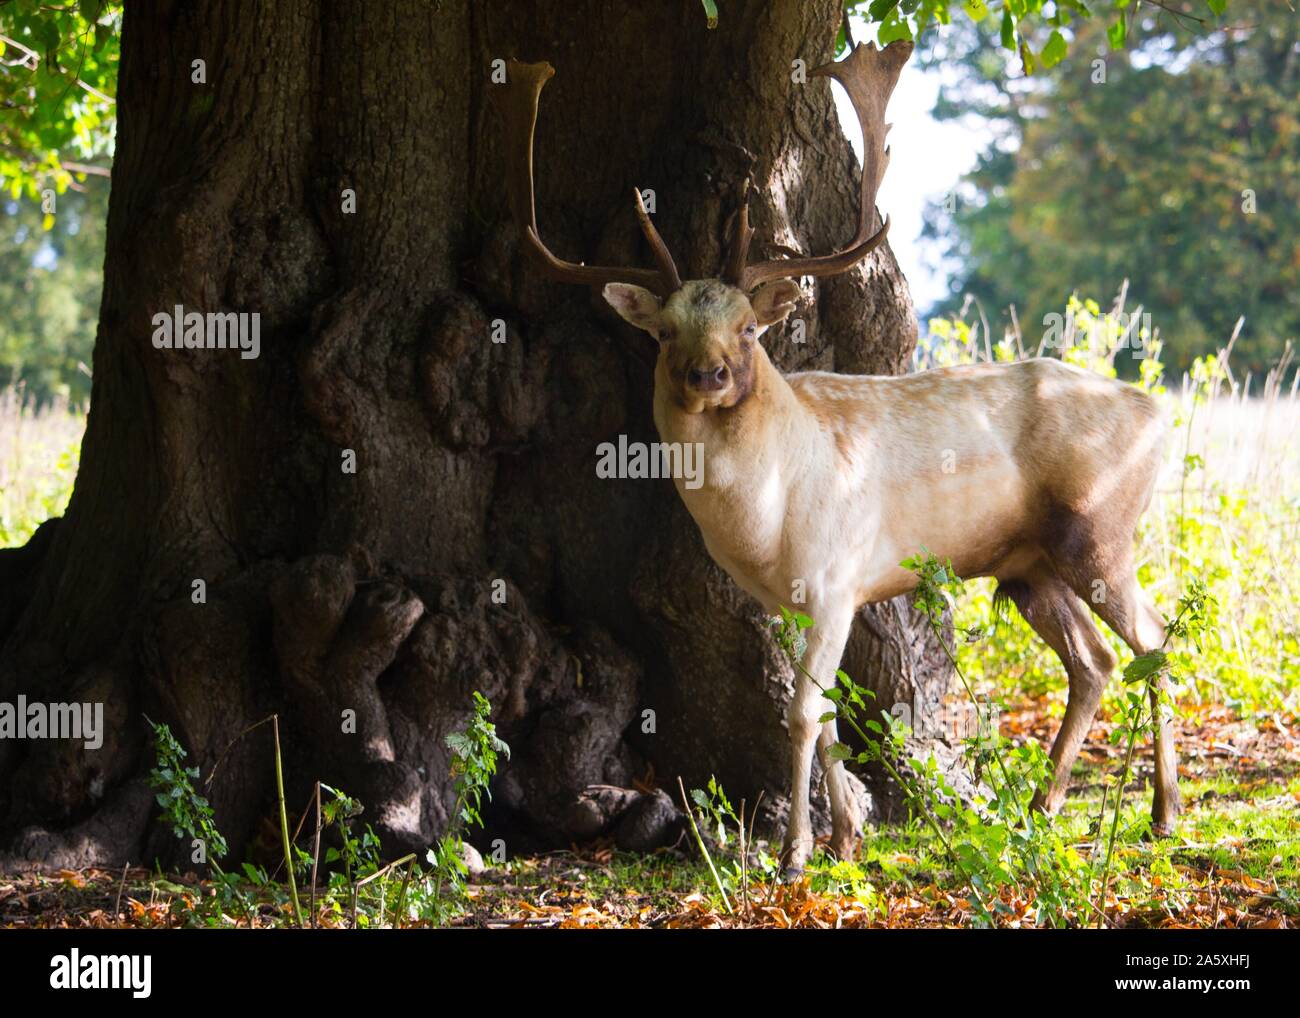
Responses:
[371,591]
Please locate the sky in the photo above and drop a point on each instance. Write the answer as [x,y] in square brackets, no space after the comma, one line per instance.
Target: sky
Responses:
[926,159]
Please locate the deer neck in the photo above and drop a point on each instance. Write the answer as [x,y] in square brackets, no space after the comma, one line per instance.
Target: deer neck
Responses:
[739,502]
[743,446]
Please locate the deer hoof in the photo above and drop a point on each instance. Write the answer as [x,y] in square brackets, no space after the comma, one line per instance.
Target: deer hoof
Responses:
[795,857]
[1162,828]
[845,848]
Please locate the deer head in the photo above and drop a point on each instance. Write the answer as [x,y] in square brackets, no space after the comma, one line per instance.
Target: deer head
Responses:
[707,329]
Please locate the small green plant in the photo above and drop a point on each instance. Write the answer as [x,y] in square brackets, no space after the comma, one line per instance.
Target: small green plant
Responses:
[191,818]
[1144,677]
[359,852]
[189,813]
[359,877]
[439,893]
[731,875]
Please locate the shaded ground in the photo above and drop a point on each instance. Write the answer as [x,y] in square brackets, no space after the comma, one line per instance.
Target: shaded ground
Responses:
[1235,863]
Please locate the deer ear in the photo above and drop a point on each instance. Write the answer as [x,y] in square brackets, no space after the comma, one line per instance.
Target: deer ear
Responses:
[635,304]
[773,301]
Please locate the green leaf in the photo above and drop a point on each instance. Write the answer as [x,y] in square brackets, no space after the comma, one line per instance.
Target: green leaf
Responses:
[710,13]
[977,9]
[1008,30]
[1145,666]
[892,31]
[1027,60]
[1117,33]
[1217,6]
[1054,52]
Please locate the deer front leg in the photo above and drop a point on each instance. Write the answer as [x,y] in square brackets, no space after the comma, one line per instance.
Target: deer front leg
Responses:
[826,640]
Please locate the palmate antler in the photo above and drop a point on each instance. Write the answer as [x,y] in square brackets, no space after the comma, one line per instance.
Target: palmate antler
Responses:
[868,75]
[517,101]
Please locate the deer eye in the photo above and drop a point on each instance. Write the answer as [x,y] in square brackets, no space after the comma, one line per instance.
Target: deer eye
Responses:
[751,329]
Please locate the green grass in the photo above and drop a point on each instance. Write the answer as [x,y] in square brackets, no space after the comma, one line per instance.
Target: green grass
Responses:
[1231,825]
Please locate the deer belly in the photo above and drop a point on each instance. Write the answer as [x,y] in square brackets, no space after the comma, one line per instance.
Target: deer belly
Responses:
[974,522]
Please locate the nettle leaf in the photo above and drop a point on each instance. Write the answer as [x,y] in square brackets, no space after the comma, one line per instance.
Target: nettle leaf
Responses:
[1145,666]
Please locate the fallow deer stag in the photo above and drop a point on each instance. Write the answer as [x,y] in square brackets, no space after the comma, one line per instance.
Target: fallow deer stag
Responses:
[1033,472]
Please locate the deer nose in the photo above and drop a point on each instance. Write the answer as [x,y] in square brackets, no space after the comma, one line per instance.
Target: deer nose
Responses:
[707,379]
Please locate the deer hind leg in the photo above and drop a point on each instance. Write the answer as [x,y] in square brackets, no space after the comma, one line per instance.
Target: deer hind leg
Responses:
[1113,592]
[846,818]
[826,640]
[1056,614]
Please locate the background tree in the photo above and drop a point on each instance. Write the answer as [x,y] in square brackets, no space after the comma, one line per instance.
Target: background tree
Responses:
[58,70]
[1174,163]
[50,279]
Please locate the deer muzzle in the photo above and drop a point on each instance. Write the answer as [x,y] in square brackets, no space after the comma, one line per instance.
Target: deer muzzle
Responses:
[710,379]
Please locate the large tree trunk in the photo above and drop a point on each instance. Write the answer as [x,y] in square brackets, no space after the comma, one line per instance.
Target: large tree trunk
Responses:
[329,591]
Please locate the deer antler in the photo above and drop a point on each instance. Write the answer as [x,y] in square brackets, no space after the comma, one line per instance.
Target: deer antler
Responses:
[869,76]
[517,102]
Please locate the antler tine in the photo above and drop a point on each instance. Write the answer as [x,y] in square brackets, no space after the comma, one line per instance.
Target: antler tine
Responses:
[658,248]
[742,233]
[869,76]
[517,101]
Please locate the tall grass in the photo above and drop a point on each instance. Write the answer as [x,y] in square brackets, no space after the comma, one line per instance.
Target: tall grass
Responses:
[40,448]
[1226,510]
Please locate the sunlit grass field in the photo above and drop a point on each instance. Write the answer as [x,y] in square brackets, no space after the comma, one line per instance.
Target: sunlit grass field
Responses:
[39,451]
